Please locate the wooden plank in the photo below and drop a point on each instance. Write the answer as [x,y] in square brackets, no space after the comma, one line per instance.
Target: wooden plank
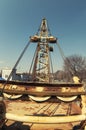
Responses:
[49,93]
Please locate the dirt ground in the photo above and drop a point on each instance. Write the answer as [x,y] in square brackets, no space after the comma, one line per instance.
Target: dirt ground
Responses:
[11,125]
[15,125]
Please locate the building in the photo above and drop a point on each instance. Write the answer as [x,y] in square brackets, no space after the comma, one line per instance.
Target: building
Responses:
[15,75]
[6,72]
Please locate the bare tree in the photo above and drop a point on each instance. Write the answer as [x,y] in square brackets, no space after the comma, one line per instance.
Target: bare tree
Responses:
[75,65]
[59,75]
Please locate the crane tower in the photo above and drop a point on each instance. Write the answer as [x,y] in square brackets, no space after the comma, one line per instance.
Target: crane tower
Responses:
[42,69]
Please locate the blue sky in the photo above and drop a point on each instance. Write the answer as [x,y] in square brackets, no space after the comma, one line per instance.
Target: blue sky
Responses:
[20,19]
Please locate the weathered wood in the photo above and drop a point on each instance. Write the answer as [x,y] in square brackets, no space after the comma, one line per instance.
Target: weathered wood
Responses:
[42,89]
[83,104]
[49,93]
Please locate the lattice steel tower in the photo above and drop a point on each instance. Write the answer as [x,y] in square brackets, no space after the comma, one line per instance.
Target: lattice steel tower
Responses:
[42,65]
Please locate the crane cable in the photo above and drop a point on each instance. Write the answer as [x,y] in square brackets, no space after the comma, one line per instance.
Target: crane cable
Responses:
[51,67]
[64,58]
[62,53]
[32,63]
[16,64]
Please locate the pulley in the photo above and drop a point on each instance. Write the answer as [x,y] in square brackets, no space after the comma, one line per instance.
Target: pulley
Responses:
[67,99]
[12,96]
[39,99]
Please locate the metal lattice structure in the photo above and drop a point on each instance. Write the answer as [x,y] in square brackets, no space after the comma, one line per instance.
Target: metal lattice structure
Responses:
[41,68]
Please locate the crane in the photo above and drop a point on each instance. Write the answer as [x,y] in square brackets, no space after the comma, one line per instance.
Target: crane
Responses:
[42,64]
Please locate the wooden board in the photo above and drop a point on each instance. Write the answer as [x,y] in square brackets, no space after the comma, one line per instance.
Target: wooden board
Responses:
[50,108]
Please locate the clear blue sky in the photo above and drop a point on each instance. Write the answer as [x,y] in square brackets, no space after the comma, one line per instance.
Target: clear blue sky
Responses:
[20,19]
